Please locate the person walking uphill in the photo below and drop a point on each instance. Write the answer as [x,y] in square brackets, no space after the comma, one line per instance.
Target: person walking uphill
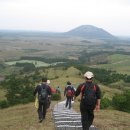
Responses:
[68,92]
[90,100]
[44,92]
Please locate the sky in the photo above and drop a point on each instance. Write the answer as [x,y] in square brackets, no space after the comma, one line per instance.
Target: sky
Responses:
[64,15]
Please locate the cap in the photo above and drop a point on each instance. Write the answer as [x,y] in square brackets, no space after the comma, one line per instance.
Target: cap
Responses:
[48,82]
[89,75]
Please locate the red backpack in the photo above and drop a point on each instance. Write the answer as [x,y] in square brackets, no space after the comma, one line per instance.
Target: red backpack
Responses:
[69,91]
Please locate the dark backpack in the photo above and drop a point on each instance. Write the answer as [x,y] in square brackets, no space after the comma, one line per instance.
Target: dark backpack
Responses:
[69,91]
[89,94]
[43,93]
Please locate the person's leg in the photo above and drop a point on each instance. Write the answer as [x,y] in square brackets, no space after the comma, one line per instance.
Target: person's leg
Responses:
[40,111]
[70,98]
[90,117]
[84,117]
[44,109]
[67,100]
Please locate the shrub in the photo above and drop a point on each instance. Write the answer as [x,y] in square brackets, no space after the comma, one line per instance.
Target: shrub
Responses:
[56,97]
[105,103]
[122,101]
[4,104]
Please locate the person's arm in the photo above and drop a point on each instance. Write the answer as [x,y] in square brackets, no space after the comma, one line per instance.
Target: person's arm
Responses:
[65,91]
[77,92]
[98,105]
[36,90]
[98,95]
[49,91]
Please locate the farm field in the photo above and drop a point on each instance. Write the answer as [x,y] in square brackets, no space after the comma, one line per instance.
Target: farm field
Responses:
[36,63]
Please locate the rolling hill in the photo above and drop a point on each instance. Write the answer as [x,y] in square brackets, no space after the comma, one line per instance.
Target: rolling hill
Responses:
[89,31]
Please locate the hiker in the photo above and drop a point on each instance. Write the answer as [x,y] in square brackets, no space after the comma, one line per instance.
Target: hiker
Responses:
[90,100]
[49,96]
[73,93]
[43,91]
[68,92]
[58,90]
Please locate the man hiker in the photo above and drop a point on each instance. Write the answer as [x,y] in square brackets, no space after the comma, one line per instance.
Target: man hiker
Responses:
[44,92]
[90,100]
[68,92]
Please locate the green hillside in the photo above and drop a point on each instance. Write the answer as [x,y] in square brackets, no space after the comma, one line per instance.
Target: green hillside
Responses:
[117,62]
[24,117]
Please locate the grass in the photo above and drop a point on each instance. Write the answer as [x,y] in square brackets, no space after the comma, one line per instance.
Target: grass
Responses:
[109,119]
[2,94]
[25,117]
[117,62]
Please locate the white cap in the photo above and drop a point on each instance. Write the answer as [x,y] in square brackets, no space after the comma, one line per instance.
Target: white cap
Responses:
[48,82]
[89,75]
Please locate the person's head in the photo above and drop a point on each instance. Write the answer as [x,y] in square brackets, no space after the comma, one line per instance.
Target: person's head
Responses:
[68,83]
[89,76]
[48,82]
[44,79]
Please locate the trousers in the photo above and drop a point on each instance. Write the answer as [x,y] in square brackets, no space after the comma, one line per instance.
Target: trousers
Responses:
[87,116]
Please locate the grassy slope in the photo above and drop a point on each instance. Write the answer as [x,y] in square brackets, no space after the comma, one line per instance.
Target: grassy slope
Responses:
[24,117]
[109,119]
[117,62]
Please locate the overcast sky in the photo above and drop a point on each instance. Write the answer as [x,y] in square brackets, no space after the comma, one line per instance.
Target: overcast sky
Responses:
[64,15]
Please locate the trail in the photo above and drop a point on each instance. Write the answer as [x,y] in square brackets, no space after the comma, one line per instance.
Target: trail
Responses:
[67,119]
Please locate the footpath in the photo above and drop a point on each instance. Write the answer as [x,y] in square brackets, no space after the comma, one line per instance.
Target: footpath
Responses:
[67,119]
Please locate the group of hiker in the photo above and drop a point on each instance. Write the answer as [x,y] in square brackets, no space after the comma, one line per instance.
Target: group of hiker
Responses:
[90,98]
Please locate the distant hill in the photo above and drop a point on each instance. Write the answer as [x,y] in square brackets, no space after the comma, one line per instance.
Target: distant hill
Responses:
[89,31]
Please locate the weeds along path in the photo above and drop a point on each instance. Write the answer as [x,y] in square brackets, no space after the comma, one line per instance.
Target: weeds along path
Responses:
[67,119]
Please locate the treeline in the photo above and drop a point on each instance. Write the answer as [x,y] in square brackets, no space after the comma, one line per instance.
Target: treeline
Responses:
[85,57]
[104,76]
[47,60]
[27,67]
[18,90]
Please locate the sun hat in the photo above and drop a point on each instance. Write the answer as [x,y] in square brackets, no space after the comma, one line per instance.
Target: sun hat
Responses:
[89,75]
[48,82]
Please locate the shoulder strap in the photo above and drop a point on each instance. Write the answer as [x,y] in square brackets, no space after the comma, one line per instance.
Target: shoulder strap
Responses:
[84,86]
[95,88]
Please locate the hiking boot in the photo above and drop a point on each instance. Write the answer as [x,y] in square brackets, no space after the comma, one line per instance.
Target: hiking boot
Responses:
[40,120]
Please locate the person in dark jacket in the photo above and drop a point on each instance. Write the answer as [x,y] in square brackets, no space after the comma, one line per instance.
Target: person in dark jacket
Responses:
[42,103]
[68,92]
[87,106]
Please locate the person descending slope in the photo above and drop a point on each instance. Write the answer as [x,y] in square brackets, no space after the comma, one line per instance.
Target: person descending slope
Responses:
[90,99]
[68,92]
[44,92]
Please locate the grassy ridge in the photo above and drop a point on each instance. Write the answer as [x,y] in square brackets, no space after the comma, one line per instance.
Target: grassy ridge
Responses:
[117,62]
[24,117]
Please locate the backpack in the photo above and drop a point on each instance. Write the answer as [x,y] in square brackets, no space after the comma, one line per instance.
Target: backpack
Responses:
[69,91]
[43,93]
[89,94]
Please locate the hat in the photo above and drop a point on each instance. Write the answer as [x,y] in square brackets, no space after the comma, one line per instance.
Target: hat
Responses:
[89,75]
[48,82]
